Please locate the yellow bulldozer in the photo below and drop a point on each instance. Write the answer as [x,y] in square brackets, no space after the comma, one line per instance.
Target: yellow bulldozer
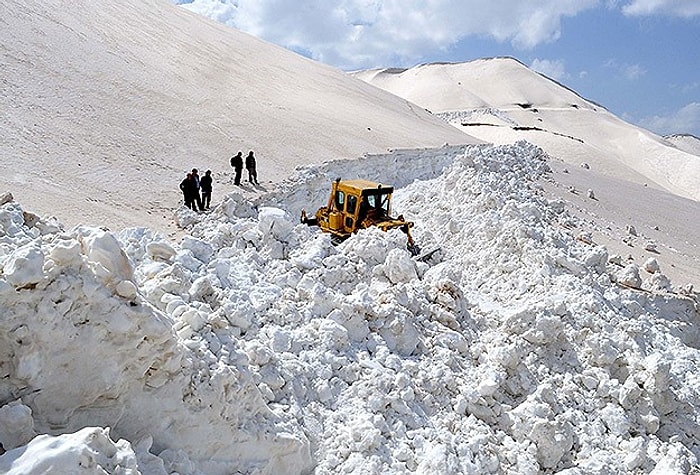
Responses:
[359,204]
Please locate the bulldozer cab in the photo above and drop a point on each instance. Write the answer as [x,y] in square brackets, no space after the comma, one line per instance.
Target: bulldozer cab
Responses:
[357,204]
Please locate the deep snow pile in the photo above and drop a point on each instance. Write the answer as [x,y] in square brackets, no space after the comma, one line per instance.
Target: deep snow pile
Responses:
[257,346]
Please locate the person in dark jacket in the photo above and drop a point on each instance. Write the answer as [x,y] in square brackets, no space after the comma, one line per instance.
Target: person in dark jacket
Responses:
[205,185]
[197,197]
[237,164]
[250,166]
[189,187]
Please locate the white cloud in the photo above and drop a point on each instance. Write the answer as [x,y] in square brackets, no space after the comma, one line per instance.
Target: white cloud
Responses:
[218,11]
[366,33]
[681,8]
[631,72]
[551,68]
[684,121]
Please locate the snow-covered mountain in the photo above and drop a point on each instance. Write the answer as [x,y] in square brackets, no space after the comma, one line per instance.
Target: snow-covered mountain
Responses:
[500,100]
[687,143]
[106,105]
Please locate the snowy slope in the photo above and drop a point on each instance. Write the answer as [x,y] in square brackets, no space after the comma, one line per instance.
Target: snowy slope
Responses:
[497,82]
[500,100]
[106,104]
[685,142]
[257,346]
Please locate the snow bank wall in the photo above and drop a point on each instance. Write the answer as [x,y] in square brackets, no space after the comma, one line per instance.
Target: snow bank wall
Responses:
[311,186]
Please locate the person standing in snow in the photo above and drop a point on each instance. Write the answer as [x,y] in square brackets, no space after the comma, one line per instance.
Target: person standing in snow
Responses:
[197,198]
[250,165]
[237,164]
[189,187]
[205,184]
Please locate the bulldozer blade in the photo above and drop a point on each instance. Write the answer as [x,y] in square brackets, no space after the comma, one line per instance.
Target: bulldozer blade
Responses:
[426,255]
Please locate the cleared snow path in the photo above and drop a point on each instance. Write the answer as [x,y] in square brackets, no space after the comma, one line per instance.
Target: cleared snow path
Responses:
[257,346]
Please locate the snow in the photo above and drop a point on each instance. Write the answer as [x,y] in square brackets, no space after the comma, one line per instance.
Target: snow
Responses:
[500,100]
[107,105]
[87,451]
[685,142]
[554,330]
[610,173]
[255,345]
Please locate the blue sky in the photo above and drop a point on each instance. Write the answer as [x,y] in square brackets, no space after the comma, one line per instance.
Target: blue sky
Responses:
[638,58]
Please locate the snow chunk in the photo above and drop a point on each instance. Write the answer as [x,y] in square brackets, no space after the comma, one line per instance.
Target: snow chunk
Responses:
[236,206]
[86,452]
[16,425]
[651,265]
[536,420]
[160,250]
[6,197]
[127,289]
[106,256]
[399,267]
[677,460]
[66,252]
[201,250]
[651,246]
[25,266]
[275,222]
[658,282]
[630,276]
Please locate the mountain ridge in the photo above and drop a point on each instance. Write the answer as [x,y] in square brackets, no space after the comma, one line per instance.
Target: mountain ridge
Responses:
[500,100]
[687,142]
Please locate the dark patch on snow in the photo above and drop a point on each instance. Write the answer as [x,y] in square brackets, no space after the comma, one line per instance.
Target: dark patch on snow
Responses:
[539,129]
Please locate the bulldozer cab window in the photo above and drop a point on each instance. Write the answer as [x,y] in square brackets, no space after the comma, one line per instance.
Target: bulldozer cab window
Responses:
[351,205]
[379,202]
[339,200]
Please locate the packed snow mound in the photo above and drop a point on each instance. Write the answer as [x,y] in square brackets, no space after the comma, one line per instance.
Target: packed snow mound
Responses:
[81,347]
[109,103]
[501,101]
[257,346]
[88,451]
